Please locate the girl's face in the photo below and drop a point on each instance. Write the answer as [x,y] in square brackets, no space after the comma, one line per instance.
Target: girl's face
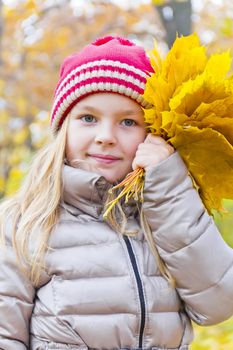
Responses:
[104,131]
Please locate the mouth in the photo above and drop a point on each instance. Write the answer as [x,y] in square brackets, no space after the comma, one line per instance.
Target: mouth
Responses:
[104,158]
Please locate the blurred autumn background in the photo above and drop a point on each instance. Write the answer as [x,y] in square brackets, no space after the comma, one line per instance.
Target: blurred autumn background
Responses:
[36,35]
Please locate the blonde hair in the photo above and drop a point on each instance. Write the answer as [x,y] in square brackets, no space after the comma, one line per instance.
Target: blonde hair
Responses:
[34,210]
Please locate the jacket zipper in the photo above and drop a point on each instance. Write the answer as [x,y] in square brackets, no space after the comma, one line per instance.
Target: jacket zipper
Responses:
[140,289]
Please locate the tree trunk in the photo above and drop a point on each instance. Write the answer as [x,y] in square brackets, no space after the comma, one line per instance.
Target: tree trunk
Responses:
[176,19]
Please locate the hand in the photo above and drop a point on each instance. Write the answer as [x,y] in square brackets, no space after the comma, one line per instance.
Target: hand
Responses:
[151,152]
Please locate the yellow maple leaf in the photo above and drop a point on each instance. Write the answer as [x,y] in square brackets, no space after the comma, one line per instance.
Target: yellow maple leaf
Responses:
[179,66]
[220,108]
[209,157]
[206,87]
[223,125]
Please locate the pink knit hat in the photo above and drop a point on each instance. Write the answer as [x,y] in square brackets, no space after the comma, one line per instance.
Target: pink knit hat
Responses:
[112,64]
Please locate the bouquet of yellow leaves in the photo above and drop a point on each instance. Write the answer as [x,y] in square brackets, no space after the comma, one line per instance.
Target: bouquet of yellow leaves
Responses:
[192,99]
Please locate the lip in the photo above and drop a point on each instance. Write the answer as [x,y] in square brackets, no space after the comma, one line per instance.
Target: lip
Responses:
[104,158]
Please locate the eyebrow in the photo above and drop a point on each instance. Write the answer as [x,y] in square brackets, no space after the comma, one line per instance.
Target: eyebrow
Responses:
[121,113]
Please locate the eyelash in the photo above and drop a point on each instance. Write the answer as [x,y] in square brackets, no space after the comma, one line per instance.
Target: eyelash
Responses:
[83,118]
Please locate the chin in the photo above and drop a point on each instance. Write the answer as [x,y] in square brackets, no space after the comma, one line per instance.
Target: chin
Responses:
[115,179]
[110,179]
[114,175]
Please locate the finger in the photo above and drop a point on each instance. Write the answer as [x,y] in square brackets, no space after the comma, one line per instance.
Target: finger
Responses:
[154,148]
[150,155]
[154,139]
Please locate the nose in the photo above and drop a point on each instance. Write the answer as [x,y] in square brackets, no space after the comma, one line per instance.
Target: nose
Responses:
[105,135]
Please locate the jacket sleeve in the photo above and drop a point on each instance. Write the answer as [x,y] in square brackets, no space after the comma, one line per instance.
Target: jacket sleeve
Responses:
[16,302]
[189,242]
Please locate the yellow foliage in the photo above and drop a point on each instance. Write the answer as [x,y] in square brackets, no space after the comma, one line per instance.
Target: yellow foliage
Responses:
[162,2]
[30,5]
[227,27]
[179,66]
[2,184]
[2,85]
[209,158]
[192,101]
[218,337]
[62,36]
[17,155]
[14,180]
[21,136]
[21,106]
[4,116]
[158,2]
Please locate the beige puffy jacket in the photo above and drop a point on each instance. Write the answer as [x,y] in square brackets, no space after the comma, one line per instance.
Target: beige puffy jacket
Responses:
[102,290]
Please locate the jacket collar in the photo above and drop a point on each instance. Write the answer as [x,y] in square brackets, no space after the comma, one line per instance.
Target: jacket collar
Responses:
[84,191]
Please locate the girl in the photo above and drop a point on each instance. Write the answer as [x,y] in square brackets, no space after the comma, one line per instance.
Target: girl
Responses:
[71,280]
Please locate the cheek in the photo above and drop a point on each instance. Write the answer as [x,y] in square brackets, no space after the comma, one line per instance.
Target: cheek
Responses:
[74,144]
[134,142]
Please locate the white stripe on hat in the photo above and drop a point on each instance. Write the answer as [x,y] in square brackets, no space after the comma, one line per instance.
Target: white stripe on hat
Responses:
[109,63]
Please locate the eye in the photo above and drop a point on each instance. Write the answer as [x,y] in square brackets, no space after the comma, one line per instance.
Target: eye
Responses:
[128,122]
[88,118]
